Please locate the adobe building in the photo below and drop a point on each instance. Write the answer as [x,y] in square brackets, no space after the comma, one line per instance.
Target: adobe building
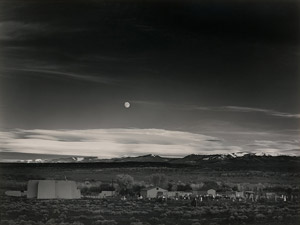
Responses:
[105,194]
[32,188]
[52,189]
[239,194]
[154,192]
[211,192]
[15,193]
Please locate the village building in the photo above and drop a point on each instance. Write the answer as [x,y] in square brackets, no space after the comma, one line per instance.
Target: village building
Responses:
[15,193]
[52,189]
[154,192]
[179,194]
[239,194]
[105,194]
[87,184]
[228,194]
[211,192]
[249,195]
[32,188]
[270,195]
[101,195]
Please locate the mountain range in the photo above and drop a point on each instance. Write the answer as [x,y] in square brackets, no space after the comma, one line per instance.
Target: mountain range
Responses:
[189,159]
[234,161]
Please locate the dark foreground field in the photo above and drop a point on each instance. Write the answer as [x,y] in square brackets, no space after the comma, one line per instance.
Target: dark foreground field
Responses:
[138,212]
[19,210]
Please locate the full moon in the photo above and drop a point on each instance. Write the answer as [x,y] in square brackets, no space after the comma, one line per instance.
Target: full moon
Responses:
[127,105]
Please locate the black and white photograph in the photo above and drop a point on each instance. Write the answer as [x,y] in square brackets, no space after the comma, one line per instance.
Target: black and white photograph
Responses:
[149,112]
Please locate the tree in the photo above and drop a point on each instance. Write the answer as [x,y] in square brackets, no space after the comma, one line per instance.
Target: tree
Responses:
[107,187]
[159,179]
[235,188]
[196,187]
[125,183]
[184,187]
[136,189]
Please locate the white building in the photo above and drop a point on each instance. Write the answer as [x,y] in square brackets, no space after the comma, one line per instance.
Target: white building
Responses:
[154,192]
[239,194]
[211,192]
[104,194]
[32,188]
[15,193]
[52,189]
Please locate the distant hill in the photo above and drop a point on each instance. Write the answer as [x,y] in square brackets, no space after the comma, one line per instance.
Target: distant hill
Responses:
[244,162]
[143,158]
[240,161]
[71,159]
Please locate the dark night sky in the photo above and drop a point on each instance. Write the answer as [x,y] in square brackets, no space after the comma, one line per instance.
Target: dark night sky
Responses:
[227,70]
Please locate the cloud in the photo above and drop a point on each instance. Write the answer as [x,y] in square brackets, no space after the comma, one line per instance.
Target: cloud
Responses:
[169,105]
[266,111]
[274,147]
[15,30]
[282,145]
[75,76]
[107,143]
[221,109]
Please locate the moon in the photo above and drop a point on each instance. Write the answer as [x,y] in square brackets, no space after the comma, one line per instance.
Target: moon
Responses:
[126,105]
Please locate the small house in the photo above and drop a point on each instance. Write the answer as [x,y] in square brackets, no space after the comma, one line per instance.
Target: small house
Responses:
[15,193]
[227,194]
[249,195]
[270,195]
[211,192]
[239,194]
[104,194]
[154,192]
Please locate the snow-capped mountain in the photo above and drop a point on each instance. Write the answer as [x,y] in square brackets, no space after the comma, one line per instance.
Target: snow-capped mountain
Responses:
[32,161]
[217,162]
[192,159]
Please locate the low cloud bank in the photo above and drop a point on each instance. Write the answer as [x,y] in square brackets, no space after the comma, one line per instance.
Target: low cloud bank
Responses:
[108,143]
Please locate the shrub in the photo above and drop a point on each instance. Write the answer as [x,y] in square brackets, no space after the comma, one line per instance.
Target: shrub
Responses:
[243,217]
[140,223]
[155,220]
[62,216]
[260,216]
[98,217]
[5,222]
[187,215]
[51,222]
[77,223]
[133,219]
[56,211]
[231,218]
[105,222]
